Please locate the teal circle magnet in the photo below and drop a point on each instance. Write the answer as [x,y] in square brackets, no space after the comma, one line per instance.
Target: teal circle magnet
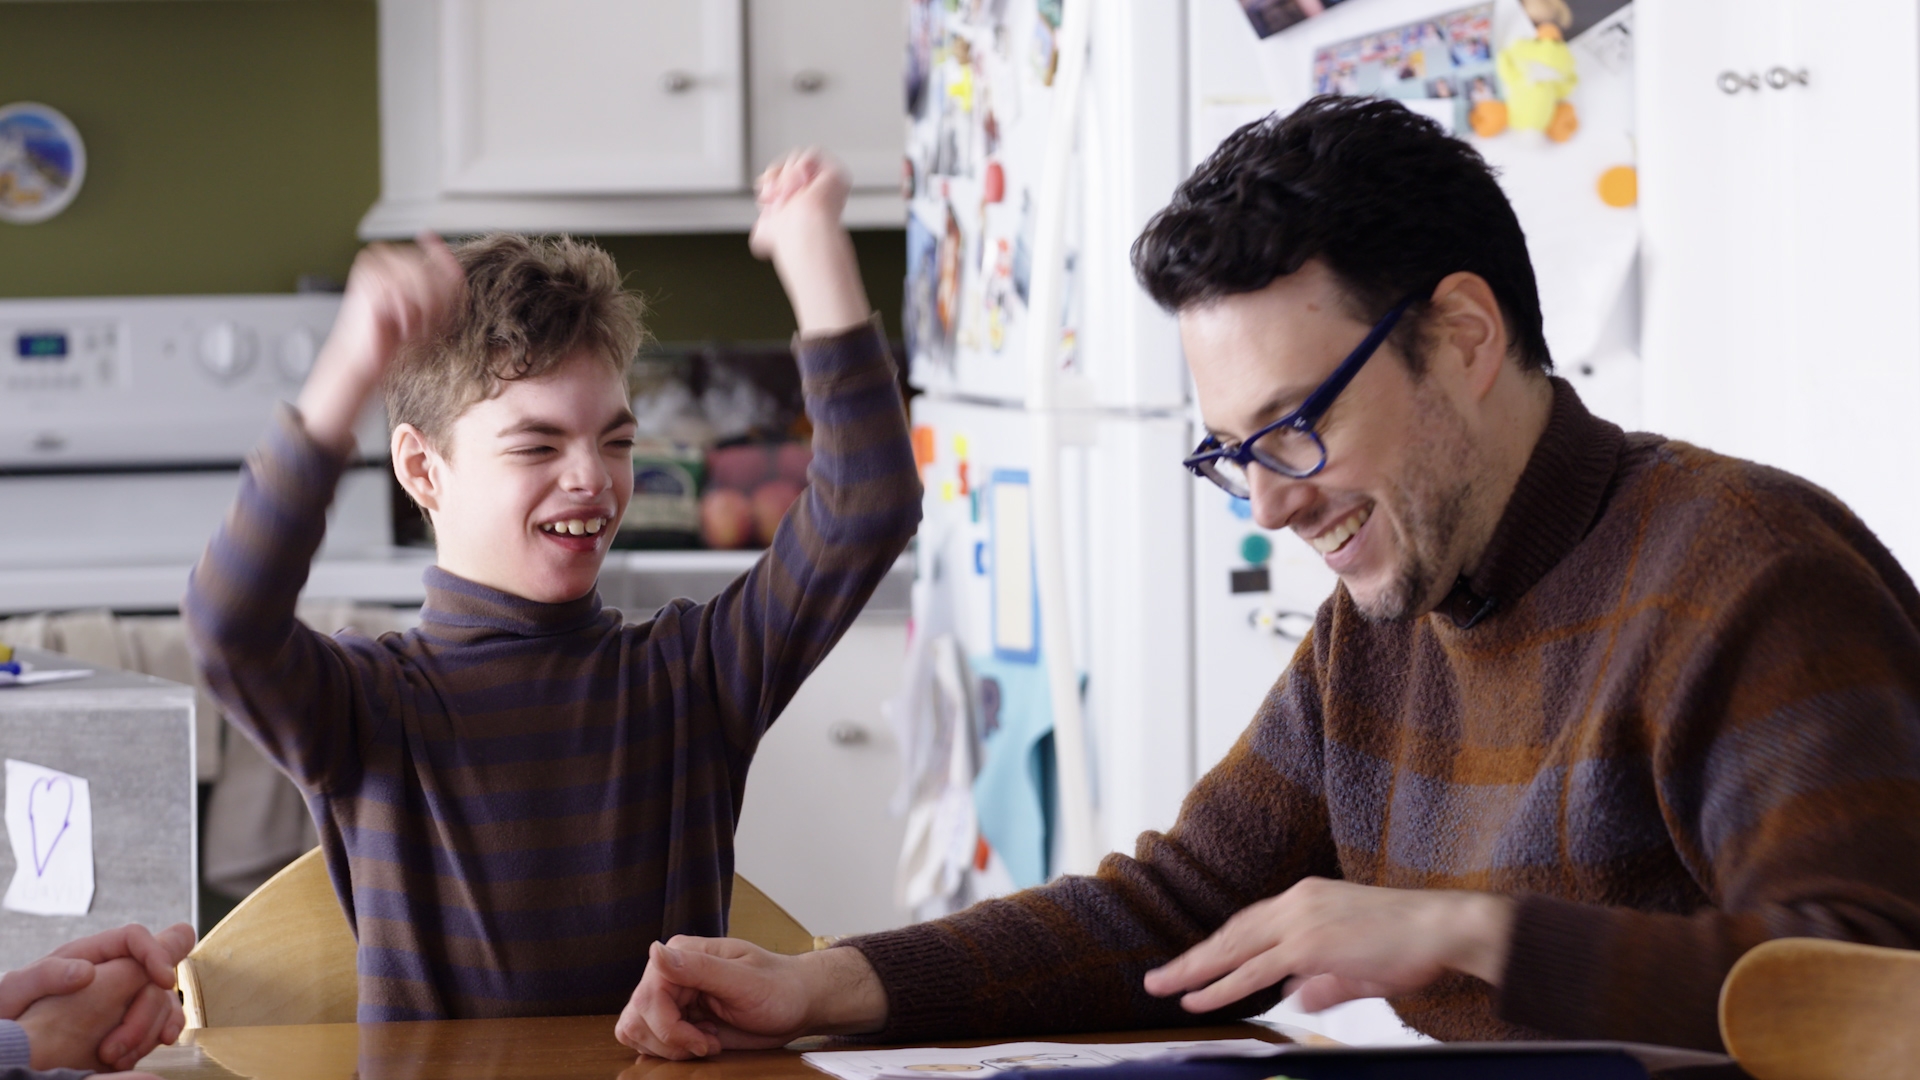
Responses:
[1256,549]
[42,162]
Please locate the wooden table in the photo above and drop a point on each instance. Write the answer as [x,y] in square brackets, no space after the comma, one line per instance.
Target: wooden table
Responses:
[547,1048]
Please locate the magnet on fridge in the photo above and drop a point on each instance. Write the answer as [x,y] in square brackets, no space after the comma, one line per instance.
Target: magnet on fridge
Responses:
[979,551]
[923,447]
[965,487]
[1620,186]
[974,510]
[1014,613]
[1256,549]
[1252,580]
[1240,508]
[947,493]
[960,446]
[993,188]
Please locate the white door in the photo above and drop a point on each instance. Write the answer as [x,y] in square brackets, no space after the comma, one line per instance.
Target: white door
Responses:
[827,73]
[1255,594]
[1128,585]
[611,97]
[815,834]
[978,150]
[1780,165]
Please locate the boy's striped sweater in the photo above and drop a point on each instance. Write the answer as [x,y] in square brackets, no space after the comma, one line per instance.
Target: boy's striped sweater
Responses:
[516,798]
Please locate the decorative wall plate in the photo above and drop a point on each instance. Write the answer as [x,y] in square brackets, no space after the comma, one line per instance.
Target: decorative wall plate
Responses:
[42,162]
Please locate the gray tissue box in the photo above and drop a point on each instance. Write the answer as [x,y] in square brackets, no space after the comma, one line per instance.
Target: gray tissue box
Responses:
[131,737]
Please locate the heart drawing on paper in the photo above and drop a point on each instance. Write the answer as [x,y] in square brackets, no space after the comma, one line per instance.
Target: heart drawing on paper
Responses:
[43,807]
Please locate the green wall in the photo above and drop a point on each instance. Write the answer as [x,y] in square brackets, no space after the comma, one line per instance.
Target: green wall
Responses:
[233,145]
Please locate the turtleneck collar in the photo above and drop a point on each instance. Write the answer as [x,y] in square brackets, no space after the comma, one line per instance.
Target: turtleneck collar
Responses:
[1553,506]
[459,611]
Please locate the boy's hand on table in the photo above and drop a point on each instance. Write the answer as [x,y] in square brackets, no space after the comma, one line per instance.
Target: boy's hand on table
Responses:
[802,197]
[395,295]
[1342,941]
[702,995]
[68,1032]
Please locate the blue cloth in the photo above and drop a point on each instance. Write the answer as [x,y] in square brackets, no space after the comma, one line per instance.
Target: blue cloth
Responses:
[1013,793]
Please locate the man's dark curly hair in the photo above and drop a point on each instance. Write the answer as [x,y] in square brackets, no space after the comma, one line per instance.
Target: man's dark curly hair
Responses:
[1385,197]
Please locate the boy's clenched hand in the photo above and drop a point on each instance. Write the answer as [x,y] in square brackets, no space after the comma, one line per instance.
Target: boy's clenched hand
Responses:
[395,295]
[801,199]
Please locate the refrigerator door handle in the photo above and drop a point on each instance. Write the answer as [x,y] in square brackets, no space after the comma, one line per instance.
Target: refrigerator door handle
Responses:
[1079,840]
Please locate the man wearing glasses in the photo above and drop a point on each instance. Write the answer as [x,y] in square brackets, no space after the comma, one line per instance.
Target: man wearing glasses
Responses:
[1589,715]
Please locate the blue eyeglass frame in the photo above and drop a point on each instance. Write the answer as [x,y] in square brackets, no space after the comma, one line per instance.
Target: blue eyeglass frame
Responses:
[1303,418]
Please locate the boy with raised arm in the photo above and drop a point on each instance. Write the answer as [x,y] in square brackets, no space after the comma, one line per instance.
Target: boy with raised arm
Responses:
[521,794]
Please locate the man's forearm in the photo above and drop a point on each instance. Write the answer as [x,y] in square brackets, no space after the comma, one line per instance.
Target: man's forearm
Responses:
[844,993]
[1482,931]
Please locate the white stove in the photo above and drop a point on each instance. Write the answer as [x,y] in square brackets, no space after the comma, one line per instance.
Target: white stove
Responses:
[123,424]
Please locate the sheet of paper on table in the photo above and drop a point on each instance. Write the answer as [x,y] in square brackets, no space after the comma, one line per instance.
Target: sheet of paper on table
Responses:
[1008,1058]
[982,1061]
[50,824]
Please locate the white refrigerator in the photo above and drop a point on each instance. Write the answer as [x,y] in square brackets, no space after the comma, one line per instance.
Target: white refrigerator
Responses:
[1055,551]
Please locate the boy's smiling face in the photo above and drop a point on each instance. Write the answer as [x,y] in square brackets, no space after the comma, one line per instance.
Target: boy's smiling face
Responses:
[530,484]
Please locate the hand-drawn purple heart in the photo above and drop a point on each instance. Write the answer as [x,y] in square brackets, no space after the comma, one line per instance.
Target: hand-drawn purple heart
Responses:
[34,812]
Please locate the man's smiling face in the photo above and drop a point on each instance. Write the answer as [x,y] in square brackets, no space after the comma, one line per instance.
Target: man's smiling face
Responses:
[531,484]
[1386,513]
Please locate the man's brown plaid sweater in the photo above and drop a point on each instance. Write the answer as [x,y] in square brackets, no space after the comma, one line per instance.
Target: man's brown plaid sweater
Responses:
[1690,723]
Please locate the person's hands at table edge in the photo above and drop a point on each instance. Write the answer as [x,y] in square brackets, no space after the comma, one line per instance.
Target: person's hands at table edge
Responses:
[71,1030]
[700,996]
[1334,941]
[154,1018]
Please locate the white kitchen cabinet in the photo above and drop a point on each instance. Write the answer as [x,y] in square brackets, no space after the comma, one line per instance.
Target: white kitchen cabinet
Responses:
[627,116]
[815,833]
[829,74]
[603,97]
[1779,146]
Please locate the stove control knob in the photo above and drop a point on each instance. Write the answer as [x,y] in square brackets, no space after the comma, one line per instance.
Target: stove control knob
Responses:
[226,350]
[297,351]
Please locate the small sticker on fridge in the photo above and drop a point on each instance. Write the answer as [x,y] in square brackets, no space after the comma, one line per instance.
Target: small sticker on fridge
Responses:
[50,825]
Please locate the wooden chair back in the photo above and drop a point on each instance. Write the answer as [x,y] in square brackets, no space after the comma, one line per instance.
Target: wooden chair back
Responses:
[1809,1009]
[285,955]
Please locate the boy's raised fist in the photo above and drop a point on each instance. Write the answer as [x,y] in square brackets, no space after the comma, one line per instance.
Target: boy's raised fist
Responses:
[395,294]
[801,196]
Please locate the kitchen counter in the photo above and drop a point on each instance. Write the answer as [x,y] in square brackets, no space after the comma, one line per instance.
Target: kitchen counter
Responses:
[636,582]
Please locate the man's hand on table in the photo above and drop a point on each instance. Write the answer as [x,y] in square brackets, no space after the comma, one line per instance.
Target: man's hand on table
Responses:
[1340,941]
[60,999]
[702,995]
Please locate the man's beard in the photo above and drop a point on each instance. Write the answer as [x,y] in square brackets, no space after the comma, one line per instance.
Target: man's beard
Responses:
[1429,506]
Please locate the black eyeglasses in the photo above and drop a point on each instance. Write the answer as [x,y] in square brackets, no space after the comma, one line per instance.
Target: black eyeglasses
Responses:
[1289,445]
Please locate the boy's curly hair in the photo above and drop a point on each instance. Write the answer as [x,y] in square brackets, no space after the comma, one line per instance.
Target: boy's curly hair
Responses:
[530,303]
[1384,196]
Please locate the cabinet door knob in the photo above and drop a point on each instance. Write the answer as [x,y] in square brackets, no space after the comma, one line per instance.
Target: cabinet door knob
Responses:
[676,82]
[847,733]
[1732,82]
[1780,78]
[810,82]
